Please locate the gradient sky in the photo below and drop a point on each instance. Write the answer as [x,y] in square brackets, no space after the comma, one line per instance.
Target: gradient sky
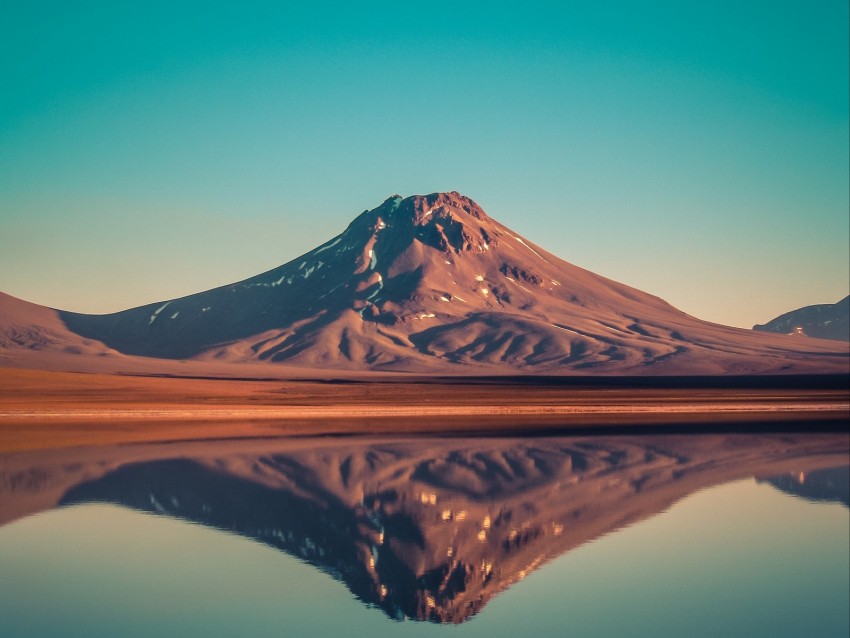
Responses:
[697,151]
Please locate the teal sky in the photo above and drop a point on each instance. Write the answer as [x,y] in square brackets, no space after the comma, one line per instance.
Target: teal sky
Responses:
[698,151]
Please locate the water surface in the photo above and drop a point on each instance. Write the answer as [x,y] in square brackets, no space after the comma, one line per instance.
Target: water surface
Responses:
[710,535]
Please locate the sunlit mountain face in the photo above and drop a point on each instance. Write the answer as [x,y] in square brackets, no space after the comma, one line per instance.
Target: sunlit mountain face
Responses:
[429,529]
[426,283]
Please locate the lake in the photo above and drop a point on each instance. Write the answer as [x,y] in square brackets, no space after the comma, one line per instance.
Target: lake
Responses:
[645,535]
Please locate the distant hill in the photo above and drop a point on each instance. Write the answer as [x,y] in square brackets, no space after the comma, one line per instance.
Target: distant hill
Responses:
[822,321]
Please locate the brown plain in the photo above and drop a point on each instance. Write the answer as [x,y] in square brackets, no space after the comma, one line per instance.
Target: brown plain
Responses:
[47,409]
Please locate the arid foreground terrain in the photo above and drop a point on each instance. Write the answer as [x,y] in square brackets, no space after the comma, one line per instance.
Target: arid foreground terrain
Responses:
[45,409]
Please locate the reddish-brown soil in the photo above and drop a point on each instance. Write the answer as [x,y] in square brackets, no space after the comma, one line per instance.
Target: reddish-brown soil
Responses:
[44,409]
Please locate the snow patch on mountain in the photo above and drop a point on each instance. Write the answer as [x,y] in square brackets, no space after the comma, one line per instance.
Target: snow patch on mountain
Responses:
[157,311]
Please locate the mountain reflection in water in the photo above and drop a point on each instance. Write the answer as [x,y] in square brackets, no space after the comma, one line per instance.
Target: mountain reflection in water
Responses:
[830,485]
[429,529]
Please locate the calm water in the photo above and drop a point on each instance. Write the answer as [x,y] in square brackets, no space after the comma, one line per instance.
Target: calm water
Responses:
[712,535]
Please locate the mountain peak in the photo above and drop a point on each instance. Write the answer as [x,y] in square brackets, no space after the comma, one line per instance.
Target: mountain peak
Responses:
[448,222]
[452,201]
[419,208]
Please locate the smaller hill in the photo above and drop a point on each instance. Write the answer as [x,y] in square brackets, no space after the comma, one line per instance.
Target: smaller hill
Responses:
[821,321]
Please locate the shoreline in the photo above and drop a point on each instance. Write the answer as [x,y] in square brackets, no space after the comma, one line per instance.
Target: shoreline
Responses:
[44,409]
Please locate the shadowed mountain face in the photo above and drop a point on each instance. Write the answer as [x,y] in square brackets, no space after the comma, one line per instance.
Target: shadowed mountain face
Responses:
[433,284]
[823,321]
[830,485]
[428,529]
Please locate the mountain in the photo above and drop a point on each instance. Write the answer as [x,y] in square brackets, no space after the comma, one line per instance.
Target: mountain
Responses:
[433,284]
[822,321]
[426,529]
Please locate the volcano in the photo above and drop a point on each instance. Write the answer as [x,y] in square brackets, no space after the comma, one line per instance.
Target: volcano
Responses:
[428,284]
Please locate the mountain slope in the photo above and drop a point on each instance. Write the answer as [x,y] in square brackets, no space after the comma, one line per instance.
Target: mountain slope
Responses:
[822,321]
[28,326]
[433,284]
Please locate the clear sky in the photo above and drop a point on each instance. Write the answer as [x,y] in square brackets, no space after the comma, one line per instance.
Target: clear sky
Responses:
[695,150]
